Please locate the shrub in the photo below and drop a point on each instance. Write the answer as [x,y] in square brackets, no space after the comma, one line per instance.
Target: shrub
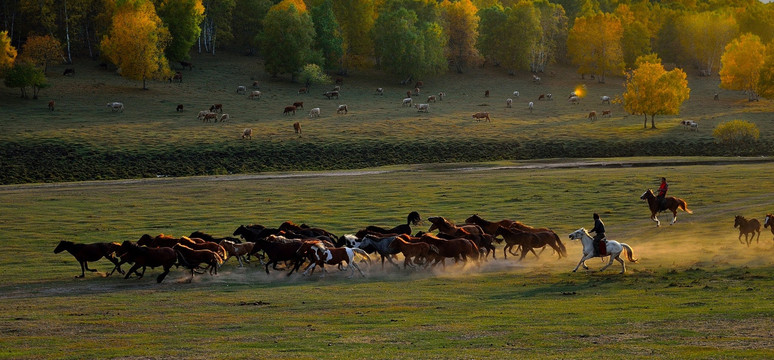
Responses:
[736,132]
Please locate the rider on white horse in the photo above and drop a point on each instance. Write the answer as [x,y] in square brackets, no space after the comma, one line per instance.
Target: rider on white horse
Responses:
[599,243]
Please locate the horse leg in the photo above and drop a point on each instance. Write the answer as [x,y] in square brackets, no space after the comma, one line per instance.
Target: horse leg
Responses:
[117,265]
[133,269]
[674,217]
[161,276]
[612,258]
[312,265]
[583,262]
[623,266]
[654,217]
[86,265]
[83,273]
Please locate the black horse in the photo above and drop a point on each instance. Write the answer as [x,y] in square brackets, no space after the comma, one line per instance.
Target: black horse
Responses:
[413,218]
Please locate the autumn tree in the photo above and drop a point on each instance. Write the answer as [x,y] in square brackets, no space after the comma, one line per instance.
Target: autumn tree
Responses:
[461,23]
[182,18]
[328,39]
[286,40]
[136,42]
[249,15]
[553,35]
[356,18]
[7,52]
[651,90]
[703,36]
[766,80]
[635,40]
[741,65]
[594,45]
[42,50]
[755,18]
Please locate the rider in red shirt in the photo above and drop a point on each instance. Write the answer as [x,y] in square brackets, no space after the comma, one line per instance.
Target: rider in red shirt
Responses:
[662,190]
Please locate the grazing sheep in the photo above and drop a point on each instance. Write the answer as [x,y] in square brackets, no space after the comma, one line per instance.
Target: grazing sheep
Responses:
[531,106]
[224,117]
[431,98]
[342,108]
[241,89]
[116,106]
[179,108]
[407,101]
[297,127]
[314,113]
[605,99]
[379,91]
[508,102]
[422,107]
[247,133]
[255,94]
[51,105]
[516,93]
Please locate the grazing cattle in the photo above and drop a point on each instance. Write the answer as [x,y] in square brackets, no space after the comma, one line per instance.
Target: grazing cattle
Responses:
[486,93]
[241,89]
[342,109]
[419,84]
[186,64]
[422,107]
[202,114]
[255,94]
[690,124]
[339,81]
[482,115]
[256,85]
[69,72]
[416,92]
[549,96]
[299,104]
[331,94]
[314,113]
[593,115]
[224,117]
[407,101]
[51,105]
[336,88]
[531,106]
[605,99]
[441,95]
[90,252]
[542,97]
[508,102]
[177,77]
[218,107]
[247,133]
[116,106]
[535,79]
[408,93]
[574,100]
[297,127]
[303,91]
[431,98]
[210,116]
[606,113]
[516,93]
[716,97]
[289,109]
[379,91]
[179,108]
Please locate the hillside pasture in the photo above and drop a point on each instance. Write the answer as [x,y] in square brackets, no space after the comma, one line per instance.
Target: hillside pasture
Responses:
[695,293]
[82,131]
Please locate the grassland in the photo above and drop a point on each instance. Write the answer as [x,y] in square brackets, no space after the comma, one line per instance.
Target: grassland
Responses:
[696,293]
[83,140]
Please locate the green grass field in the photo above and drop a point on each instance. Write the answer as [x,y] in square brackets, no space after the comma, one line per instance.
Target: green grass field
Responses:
[83,140]
[695,293]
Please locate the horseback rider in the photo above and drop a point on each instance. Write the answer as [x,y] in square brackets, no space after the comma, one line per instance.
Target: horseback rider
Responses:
[661,197]
[599,237]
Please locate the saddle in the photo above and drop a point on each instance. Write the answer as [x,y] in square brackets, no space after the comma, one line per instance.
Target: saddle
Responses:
[602,251]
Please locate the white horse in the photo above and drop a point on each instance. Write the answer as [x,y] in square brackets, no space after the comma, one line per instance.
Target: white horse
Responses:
[614,249]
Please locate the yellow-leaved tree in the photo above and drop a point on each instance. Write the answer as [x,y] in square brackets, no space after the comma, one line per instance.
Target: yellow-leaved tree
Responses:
[651,90]
[136,42]
[7,52]
[42,50]
[742,63]
[594,45]
[703,37]
[461,22]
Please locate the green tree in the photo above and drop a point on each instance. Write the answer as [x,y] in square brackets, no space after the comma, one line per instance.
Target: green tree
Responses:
[41,50]
[182,18]
[356,18]
[493,33]
[216,26]
[552,43]
[651,90]
[286,40]
[328,40]
[498,40]
[249,15]
[136,42]
[312,74]
[461,24]
[24,75]
[742,63]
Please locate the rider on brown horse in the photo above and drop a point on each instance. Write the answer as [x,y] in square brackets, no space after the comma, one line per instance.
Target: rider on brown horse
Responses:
[661,197]
[600,246]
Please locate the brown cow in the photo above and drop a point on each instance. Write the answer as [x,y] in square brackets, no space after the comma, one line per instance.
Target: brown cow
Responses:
[297,127]
[331,94]
[419,84]
[303,91]
[606,113]
[431,98]
[482,115]
[408,93]
[593,115]
[342,109]
[51,105]
[218,107]
[486,93]
[541,97]
[299,104]
[289,109]
[210,116]
[179,107]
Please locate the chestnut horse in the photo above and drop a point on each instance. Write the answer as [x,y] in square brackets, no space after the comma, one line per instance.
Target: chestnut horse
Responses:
[748,227]
[192,259]
[277,248]
[530,241]
[146,256]
[488,226]
[240,251]
[90,252]
[458,249]
[415,251]
[768,223]
[672,204]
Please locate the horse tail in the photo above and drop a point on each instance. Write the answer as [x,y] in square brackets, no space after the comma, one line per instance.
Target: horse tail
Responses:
[563,250]
[362,253]
[181,259]
[684,206]
[629,253]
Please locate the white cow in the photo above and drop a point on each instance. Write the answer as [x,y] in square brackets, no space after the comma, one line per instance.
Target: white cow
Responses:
[407,101]
[508,102]
[116,106]
[255,94]
[422,107]
[314,113]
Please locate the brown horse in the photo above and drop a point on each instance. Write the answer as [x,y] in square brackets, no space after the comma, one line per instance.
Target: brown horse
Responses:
[145,256]
[90,252]
[416,251]
[747,227]
[192,259]
[458,249]
[768,223]
[203,245]
[530,241]
[277,248]
[488,226]
[672,204]
[240,251]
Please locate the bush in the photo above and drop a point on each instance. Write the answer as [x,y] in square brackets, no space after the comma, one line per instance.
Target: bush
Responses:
[736,132]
